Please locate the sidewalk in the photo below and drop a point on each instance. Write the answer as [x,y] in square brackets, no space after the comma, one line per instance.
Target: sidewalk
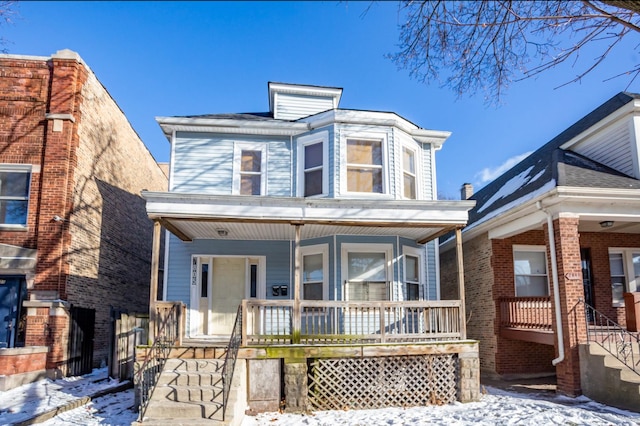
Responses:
[42,400]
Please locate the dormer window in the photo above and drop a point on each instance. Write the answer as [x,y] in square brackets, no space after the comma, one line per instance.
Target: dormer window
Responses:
[250,166]
[313,167]
[365,165]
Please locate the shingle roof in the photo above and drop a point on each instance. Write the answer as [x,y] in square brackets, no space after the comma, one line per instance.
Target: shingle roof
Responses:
[550,164]
[259,116]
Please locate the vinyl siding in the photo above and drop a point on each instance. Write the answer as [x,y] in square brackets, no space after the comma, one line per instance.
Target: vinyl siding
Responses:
[179,265]
[293,107]
[427,172]
[611,147]
[203,163]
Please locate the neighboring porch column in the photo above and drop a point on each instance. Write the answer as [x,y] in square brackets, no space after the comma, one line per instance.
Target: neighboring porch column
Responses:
[567,241]
[296,288]
[460,268]
[153,284]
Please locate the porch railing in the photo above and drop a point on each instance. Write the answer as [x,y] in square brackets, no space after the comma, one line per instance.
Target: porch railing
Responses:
[526,312]
[269,322]
[169,331]
[614,338]
[230,360]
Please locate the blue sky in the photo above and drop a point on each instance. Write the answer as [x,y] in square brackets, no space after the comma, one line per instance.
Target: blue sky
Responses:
[182,58]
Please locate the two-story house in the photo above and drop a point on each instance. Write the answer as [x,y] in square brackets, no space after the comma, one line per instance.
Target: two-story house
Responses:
[299,213]
[551,249]
[75,240]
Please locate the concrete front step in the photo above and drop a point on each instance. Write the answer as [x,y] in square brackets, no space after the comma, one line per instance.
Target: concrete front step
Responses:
[189,391]
[605,379]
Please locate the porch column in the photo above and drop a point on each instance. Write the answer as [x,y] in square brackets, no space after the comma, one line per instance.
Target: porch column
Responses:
[296,288]
[460,268]
[153,285]
[567,242]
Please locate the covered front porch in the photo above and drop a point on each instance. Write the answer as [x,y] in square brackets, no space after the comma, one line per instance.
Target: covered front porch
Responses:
[339,350]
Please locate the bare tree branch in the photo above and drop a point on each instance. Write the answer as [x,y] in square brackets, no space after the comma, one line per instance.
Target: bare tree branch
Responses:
[471,46]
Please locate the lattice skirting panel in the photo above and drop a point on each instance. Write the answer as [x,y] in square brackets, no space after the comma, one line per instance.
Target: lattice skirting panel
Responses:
[378,382]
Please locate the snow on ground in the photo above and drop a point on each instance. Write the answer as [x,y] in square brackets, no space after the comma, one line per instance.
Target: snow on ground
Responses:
[24,402]
[497,407]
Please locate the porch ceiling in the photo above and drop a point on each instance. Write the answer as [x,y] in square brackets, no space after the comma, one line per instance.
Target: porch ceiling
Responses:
[198,216]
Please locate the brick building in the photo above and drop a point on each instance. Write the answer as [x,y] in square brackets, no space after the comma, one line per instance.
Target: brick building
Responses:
[565,219]
[75,241]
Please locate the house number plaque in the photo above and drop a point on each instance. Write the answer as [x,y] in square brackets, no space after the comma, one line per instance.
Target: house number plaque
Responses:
[573,275]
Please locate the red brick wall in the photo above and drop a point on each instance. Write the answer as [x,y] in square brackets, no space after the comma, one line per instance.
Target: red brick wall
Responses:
[90,173]
[599,244]
[14,364]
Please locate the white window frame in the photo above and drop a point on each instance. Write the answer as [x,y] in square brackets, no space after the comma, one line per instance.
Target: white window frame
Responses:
[530,248]
[320,137]
[417,165]
[238,147]
[369,136]
[414,252]
[322,249]
[387,249]
[18,168]
[632,283]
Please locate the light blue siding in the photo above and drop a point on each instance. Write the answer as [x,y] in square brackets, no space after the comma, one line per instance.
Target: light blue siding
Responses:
[203,163]
[432,278]
[427,173]
[277,255]
[294,106]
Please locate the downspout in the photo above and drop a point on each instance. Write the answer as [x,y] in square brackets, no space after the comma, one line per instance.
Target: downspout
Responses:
[556,288]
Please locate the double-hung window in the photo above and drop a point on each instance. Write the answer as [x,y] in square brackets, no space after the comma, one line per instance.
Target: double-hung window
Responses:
[367,271]
[250,169]
[15,180]
[412,276]
[409,173]
[314,272]
[313,167]
[624,267]
[530,270]
[365,168]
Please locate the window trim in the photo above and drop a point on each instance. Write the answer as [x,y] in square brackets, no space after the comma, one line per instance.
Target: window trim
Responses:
[530,248]
[414,252]
[18,168]
[302,142]
[238,147]
[631,283]
[387,249]
[370,136]
[322,249]
[416,164]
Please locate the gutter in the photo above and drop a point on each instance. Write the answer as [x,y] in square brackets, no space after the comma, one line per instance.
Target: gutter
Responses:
[556,288]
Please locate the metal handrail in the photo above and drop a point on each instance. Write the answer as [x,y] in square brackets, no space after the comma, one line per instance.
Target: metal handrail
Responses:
[230,360]
[155,357]
[614,338]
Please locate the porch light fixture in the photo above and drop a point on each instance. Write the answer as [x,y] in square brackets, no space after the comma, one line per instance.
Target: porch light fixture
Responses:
[222,232]
[606,224]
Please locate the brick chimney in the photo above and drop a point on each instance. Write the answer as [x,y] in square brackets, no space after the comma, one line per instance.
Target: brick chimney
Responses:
[466,191]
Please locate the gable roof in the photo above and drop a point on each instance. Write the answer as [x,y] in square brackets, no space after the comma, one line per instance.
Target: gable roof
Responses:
[550,166]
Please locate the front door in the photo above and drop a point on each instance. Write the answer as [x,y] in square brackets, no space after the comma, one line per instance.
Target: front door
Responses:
[12,291]
[587,282]
[220,284]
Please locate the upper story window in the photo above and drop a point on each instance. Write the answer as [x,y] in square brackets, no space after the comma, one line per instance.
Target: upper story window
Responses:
[365,171]
[530,270]
[624,266]
[409,180]
[15,180]
[313,167]
[249,176]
